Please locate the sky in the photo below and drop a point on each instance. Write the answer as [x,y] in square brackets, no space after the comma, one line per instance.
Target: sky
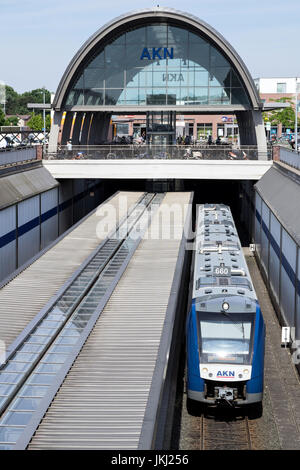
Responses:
[40,38]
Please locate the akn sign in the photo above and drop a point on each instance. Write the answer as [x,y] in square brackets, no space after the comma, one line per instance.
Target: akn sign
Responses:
[157,53]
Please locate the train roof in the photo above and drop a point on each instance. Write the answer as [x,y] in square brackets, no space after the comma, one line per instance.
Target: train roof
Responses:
[220,266]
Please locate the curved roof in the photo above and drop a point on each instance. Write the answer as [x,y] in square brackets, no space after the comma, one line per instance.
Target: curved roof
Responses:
[147,15]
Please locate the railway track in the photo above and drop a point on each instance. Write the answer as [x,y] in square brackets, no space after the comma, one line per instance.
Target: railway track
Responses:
[222,430]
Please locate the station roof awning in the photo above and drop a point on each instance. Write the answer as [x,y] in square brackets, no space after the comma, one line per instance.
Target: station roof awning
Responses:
[274,106]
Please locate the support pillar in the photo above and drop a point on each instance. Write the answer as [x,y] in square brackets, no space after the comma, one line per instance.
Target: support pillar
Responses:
[54,131]
[77,128]
[85,129]
[66,131]
[252,131]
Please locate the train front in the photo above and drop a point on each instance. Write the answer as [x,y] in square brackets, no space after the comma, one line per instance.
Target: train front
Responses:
[225,350]
[225,327]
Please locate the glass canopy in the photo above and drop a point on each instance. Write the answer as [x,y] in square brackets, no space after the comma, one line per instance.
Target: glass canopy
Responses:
[158,64]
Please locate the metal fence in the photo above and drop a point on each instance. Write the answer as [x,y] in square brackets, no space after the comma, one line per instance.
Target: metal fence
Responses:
[12,138]
[17,155]
[290,157]
[171,152]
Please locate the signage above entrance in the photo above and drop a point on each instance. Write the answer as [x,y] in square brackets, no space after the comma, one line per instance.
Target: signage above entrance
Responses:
[158,53]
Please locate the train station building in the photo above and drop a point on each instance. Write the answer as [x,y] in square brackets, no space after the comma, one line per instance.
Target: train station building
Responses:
[161,67]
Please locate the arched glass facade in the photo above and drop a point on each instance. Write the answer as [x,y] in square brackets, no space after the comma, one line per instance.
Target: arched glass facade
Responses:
[157,64]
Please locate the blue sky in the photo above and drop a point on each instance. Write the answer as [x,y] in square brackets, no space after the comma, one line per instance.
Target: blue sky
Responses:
[40,38]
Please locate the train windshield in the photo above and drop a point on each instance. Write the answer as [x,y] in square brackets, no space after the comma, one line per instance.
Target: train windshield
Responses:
[226,338]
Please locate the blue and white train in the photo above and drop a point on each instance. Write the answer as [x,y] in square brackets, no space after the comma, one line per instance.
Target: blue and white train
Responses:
[225,326]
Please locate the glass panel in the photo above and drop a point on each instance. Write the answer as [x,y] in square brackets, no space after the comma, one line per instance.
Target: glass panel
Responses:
[17,418]
[17,367]
[201,95]
[157,35]
[66,340]
[159,78]
[93,78]
[201,78]
[33,391]
[43,379]
[220,76]
[55,358]
[217,59]
[5,389]
[24,357]
[238,96]
[50,324]
[159,55]
[112,96]
[43,331]
[219,96]
[98,62]
[157,96]
[177,35]
[132,96]
[33,339]
[199,56]
[29,404]
[137,36]
[114,79]
[10,434]
[9,378]
[28,347]
[52,368]
[93,96]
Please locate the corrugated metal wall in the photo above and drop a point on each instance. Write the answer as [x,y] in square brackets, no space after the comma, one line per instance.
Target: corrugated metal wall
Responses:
[32,224]
[8,251]
[277,249]
[279,257]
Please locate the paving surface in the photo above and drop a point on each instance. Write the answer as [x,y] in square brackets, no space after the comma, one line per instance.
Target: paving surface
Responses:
[279,426]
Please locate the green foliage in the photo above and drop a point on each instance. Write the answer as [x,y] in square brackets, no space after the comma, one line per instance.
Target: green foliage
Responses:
[285,116]
[36,122]
[2,118]
[17,103]
[11,121]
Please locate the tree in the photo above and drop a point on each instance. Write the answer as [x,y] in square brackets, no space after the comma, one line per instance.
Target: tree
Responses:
[36,122]
[12,100]
[2,117]
[285,116]
[11,121]
[17,103]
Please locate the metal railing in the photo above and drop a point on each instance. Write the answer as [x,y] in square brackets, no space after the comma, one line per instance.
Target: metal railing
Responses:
[17,155]
[289,157]
[157,152]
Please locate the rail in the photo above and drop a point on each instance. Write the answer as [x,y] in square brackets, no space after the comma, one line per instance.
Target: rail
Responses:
[150,152]
[289,157]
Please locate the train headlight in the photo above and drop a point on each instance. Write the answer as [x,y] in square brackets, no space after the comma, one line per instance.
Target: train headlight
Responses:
[204,370]
[246,371]
[225,306]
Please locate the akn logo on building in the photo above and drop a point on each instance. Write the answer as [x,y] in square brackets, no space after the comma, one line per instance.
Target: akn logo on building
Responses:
[157,53]
[225,373]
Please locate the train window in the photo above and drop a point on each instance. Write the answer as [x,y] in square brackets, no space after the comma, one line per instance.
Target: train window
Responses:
[206,281]
[241,281]
[226,338]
